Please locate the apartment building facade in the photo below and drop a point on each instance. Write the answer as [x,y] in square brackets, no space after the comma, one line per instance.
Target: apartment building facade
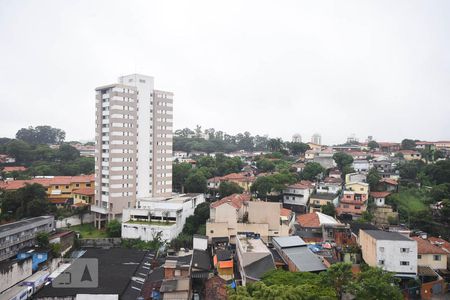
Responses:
[133,145]
[21,234]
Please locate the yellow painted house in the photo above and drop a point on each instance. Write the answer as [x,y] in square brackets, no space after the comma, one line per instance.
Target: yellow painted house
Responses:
[358,187]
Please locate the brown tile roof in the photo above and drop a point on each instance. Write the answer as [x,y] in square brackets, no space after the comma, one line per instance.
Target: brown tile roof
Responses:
[379,194]
[440,243]
[235,200]
[426,247]
[332,180]
[46,182]
[285,212]
[85,192]
[14,168]
[299,186]
[308,220]
[389,181]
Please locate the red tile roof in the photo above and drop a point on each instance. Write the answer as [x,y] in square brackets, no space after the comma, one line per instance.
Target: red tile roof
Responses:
[85,192]
[308,220]
[235,200]
[285,212]
[298,186]
[14,168]
[332,180]
[440,243]
[426,247]
[46,182]
[379,194]
[389,181]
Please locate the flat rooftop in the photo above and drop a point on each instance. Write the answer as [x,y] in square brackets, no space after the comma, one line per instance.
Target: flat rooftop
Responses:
[387,235]
[176,198]
[252,245]
[116,267]
[18,224]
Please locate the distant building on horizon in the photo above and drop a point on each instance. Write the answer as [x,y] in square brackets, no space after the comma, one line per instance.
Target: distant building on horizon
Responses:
[133,145]
[316,139]
[297,138]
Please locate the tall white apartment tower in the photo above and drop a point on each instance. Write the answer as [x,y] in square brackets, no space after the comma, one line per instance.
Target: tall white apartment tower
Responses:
[133,145]
[316,139]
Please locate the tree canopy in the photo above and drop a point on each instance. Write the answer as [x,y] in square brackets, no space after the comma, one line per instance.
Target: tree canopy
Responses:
[41,135]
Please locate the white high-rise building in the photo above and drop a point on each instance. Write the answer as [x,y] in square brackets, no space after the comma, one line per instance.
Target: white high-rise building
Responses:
[133,153]
[316,139]
[297,138]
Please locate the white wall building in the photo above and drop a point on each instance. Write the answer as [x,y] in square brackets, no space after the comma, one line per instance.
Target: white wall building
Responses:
[154,215]
[296,196]
[390,251]
[133,151]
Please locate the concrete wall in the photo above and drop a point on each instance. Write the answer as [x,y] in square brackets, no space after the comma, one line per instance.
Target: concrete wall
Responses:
[75,220]
[149,232]
[11,274]
[428,260]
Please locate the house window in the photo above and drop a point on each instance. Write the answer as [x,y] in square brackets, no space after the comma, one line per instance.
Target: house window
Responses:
[211,231]
[381,262]
[436,257]
[404,263]
[177,272]
[404,250]
[357,207]
[419,256]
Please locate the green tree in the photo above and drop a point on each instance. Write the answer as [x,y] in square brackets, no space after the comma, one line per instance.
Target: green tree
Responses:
[342,160]
[373,178]
[329,209]
[265,165]
[263,186]
[67,153]
[114,228]
[338,276]
[374,284]
[28,201]
[41,135]
[275,145]
[373,145]
[408,144]
[42,239]
[298,148]
[196,182]
[311,171]
[227,188]
[180,173]
[18,149]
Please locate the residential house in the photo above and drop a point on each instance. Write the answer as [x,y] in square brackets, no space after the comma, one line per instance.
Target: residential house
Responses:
[386,168]
[361,165]
[379,198]
[6,159]
[443,145]
[430,255]
[223,262]
[409,155]
[236,213]
[319,227]
[83,196]
[352,203]
[335,173]
[389,147]
[296,196]
[253,257]
[59,188]
[425,146]
[361,188]
[243,179]
[296,254]
[355,177]
[9,169]
[164,216]
[330,185]
[389,185]
[390,251]
[317,200]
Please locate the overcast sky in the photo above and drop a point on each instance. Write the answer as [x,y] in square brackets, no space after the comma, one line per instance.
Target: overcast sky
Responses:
[338,68]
